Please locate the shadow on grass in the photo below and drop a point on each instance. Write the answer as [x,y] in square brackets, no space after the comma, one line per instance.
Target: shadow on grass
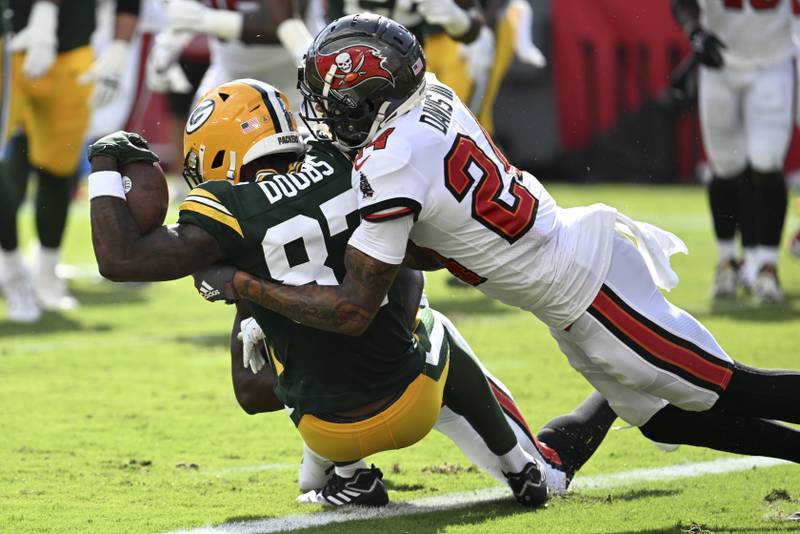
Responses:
[49,323]
[403,487]
[205,340]
[470,302]
[692,528]
[111,294]
[634,495]
[428,521]
[746,310]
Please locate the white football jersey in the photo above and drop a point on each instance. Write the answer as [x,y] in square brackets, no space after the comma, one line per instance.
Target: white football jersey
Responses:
[495,227]
[756,33]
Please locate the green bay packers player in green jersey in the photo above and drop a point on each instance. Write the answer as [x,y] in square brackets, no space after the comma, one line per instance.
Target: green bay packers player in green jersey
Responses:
[253,206]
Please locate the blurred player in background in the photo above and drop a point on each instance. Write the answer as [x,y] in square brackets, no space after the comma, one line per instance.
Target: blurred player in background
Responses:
[509,24]
[117,42]
[261,39]
[49,113]
[52,84]
[458,45]
[747,86]
[468,44]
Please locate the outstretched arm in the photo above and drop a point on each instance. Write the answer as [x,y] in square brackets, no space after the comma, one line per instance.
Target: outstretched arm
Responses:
[347,308]
[123,254]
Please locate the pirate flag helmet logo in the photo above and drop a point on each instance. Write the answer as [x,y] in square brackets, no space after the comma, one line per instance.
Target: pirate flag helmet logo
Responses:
[352,66]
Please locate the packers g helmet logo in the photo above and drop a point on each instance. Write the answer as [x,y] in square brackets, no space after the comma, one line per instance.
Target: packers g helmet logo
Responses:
[200,115]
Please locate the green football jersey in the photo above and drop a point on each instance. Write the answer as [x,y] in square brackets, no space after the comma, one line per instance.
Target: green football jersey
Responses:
[76,21]
[293,228]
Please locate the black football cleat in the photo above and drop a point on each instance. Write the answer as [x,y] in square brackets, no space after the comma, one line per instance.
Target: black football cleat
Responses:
[529,485]
[365,488]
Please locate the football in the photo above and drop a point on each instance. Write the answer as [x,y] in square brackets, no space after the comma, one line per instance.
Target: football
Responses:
[146,193]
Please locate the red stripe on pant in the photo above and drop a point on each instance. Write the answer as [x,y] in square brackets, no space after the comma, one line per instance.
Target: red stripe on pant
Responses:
[659,347]
[509,406]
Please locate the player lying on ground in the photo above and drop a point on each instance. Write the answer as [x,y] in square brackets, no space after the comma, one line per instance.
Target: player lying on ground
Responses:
[565,443]
[350,397]
[426,172]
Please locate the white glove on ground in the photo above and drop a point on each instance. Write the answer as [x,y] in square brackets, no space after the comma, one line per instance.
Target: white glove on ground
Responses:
[445,13]
[526,51]
[194,17]
[38,39]
[252,338]
[107,72]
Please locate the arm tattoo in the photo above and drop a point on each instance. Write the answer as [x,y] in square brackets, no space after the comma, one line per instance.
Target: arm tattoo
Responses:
[347,309]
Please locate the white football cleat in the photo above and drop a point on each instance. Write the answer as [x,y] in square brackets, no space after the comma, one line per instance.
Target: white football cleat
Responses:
[21,305]
[51,290]
[725,280]
[364,488]
[766,287]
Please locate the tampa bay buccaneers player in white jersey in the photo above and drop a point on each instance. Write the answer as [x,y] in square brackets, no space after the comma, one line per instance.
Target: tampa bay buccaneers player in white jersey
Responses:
[747,109]
[425,172]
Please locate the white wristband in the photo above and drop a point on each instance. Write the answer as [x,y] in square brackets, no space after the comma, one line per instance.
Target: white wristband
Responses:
[106,184]
[295,37]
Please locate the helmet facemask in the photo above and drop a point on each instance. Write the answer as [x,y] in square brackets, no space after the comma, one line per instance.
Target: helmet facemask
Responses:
[350,126]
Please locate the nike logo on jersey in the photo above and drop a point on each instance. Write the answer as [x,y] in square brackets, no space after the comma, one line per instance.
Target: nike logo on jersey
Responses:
[357,164]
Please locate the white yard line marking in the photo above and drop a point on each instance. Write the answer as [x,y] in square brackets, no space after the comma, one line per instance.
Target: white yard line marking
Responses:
[460,500]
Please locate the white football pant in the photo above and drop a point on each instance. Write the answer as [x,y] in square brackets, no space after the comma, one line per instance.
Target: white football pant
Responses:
[747,116]
[638,350]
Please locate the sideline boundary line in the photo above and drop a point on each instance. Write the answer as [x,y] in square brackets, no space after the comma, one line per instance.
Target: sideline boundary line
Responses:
[453,501]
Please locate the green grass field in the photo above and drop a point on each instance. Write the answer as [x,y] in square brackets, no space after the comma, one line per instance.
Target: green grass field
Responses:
[120,417]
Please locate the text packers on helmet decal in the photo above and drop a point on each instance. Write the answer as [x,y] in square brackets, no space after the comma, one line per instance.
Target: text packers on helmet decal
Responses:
[200,115]
[354,66]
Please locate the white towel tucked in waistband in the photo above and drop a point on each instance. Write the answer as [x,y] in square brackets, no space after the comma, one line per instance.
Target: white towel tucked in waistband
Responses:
[656,246]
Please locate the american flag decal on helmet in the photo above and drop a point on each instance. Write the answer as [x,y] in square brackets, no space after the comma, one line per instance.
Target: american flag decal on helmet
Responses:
[250,125]
[417,66]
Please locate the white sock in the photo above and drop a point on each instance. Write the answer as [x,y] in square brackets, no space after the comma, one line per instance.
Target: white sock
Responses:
[313,470]
[767,255]
[751,263]
[515,460]
[11,261]
[726,249]
[349,470]
[48,260]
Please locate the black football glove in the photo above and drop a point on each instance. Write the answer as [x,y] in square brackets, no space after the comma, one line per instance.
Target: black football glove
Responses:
[707,47]
[216,283]
[124,147]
